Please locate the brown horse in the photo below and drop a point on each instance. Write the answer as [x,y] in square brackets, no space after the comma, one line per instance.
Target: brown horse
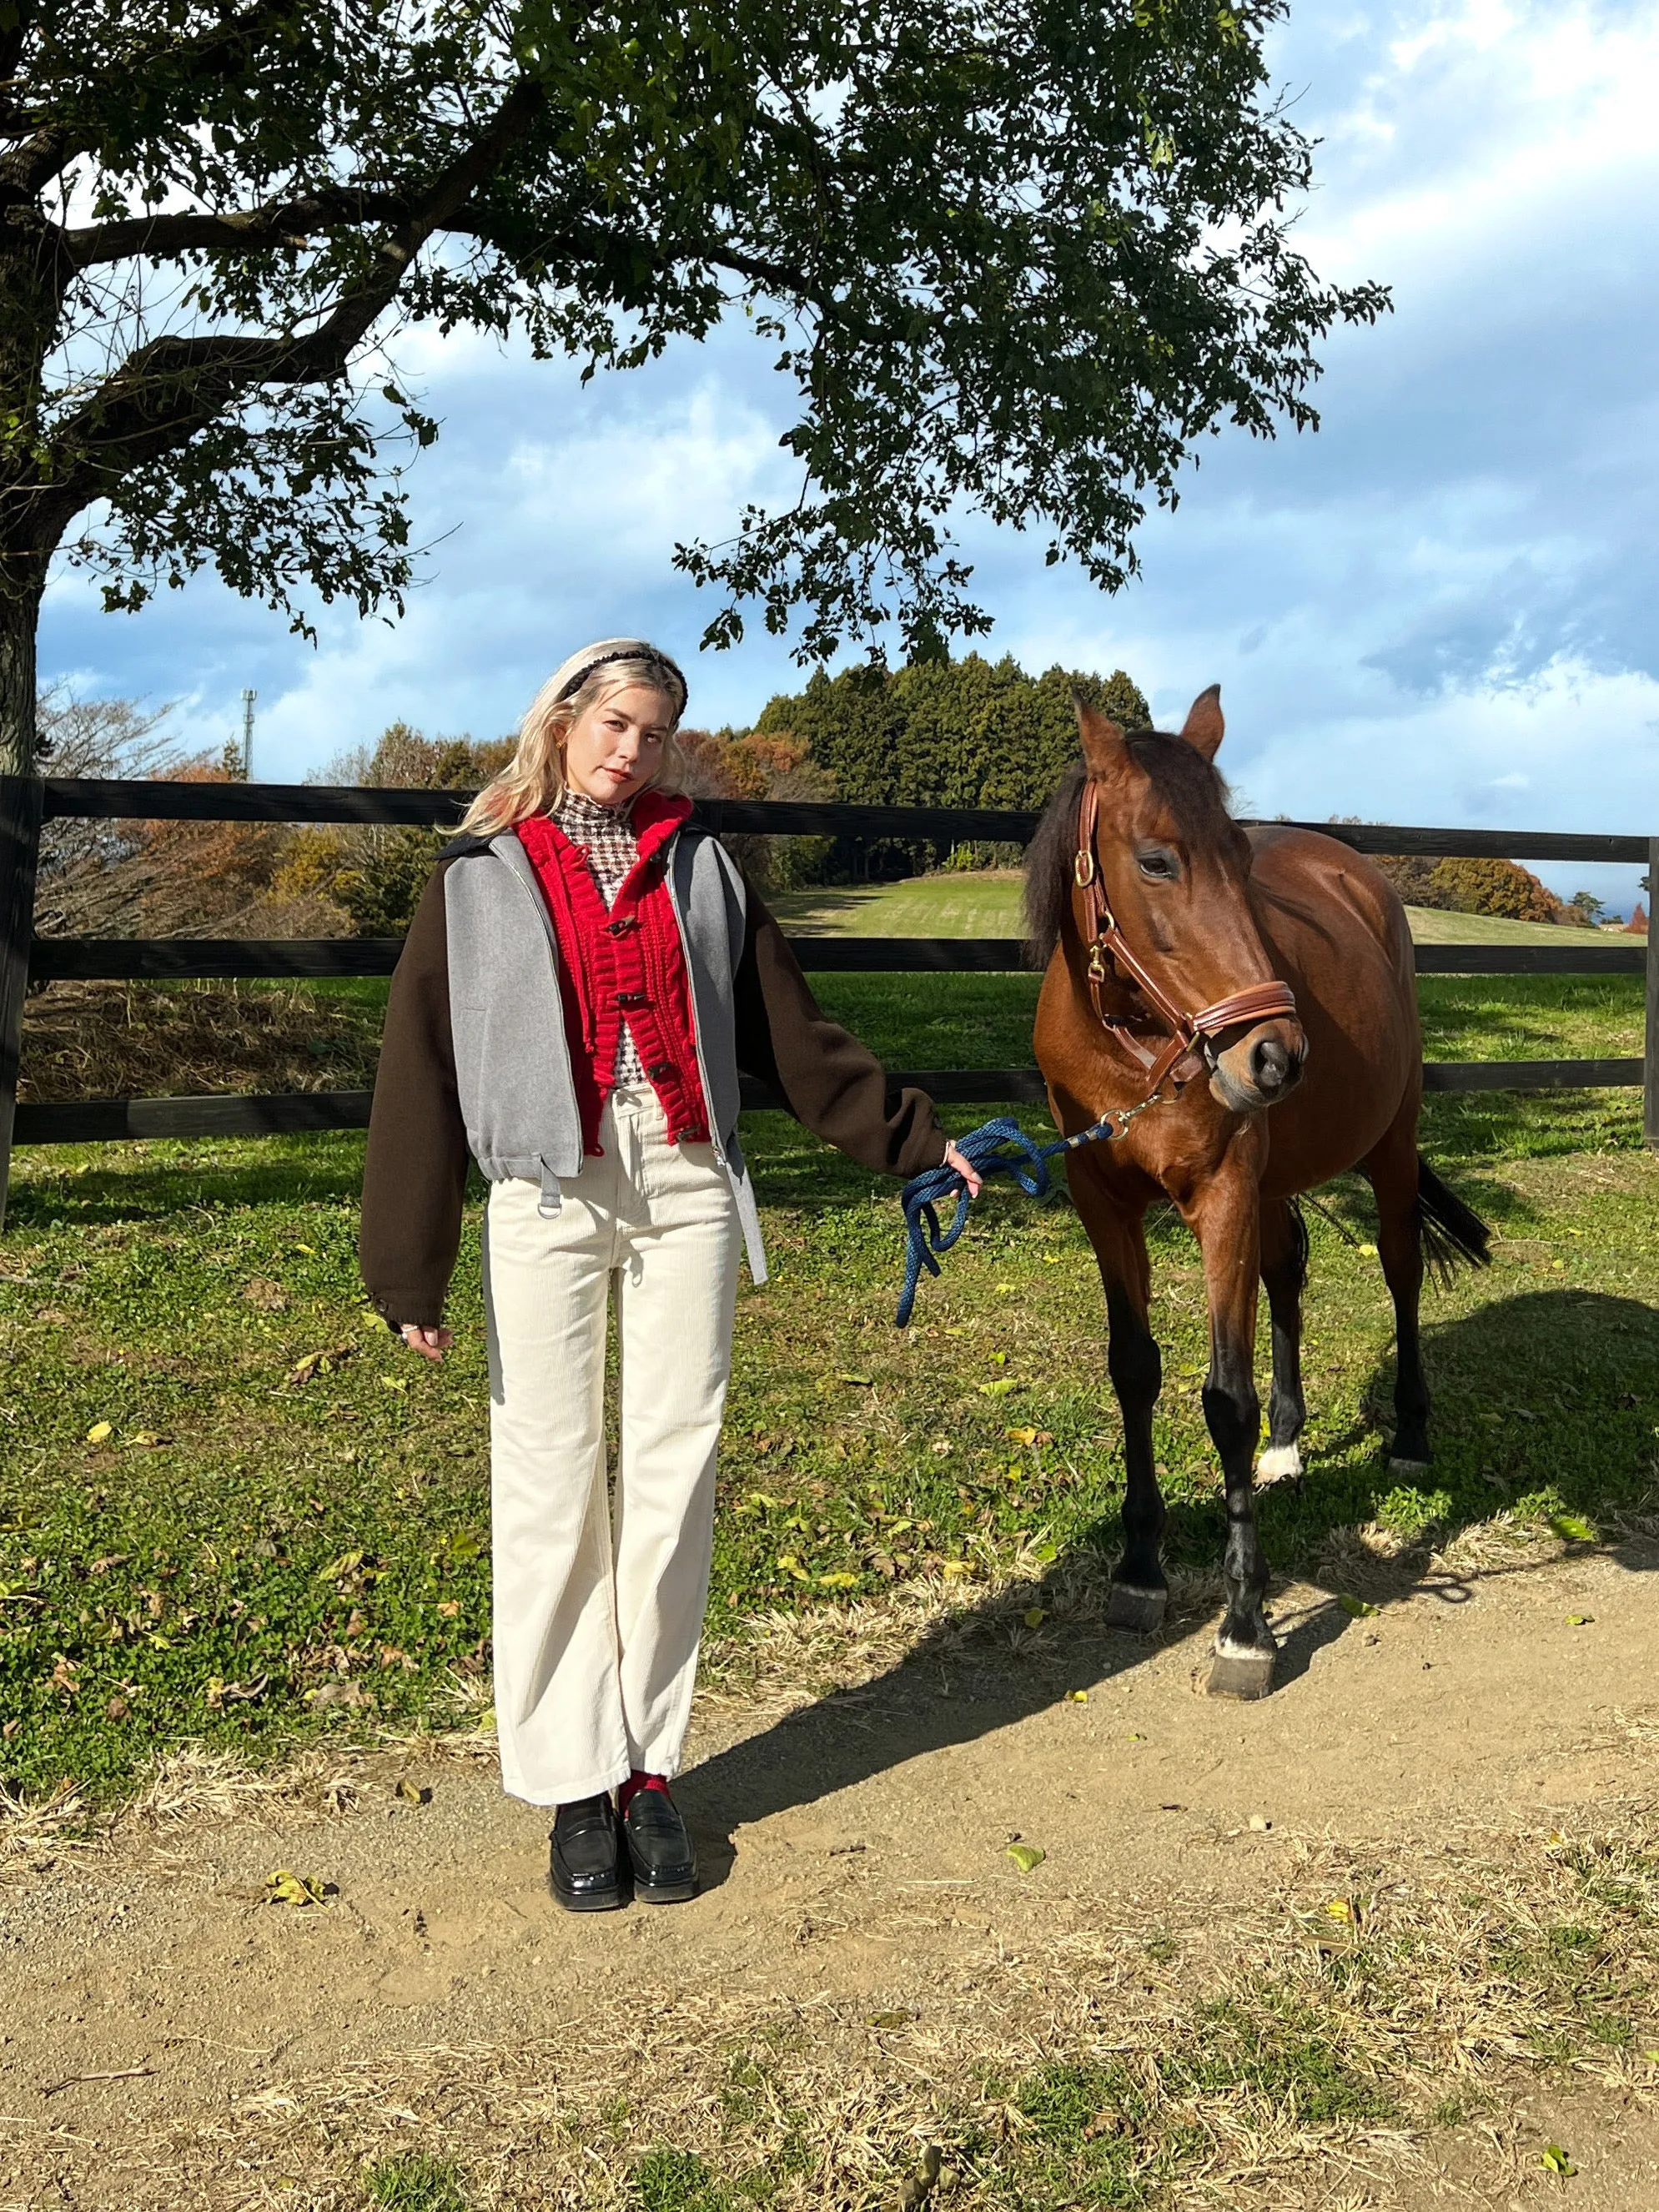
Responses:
[1255,994]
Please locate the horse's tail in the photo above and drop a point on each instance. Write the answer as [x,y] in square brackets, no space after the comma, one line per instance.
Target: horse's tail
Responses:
[1452,1233]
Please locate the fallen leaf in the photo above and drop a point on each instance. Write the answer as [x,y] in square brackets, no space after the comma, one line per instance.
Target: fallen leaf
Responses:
[859,1382]
[412,1793]
[341,1693]
[1555,2160]
[321,1363]
[839,1580]
[1340,1909]
[1077,1697]
[337,1570]
[1034,1616]
[792,1565]
[1581,1620]
[269,1296]
[956,1570]
[1021,1436]
[919,2187]
[1261,1823]
[98,1431]
[1004,1386]
[888,2019]
[1573,1527]
[218,1694]
[1025,1856]
[1366,1251]
[284,1887]
[1358,1608]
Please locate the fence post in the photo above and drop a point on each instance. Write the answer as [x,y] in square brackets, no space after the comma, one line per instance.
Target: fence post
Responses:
[20,797]
[1650,1042]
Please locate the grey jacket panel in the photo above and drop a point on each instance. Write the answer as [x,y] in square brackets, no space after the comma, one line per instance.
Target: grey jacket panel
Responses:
[511,1058]
[709,901]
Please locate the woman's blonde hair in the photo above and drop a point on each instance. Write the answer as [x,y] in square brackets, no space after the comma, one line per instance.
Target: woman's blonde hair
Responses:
[533,780]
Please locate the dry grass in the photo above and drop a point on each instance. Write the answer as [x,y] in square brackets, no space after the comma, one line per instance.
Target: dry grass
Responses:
[1333,2047]
[132,1039]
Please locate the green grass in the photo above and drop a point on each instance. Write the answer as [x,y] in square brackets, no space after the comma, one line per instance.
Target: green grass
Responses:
[263,1544]
[946,905]
[414,2181]
[987,905]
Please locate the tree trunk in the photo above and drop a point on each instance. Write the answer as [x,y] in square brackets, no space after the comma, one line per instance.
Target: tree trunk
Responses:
[21,583]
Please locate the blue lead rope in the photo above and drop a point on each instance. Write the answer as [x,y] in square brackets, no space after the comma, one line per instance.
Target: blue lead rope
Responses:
[998,1147]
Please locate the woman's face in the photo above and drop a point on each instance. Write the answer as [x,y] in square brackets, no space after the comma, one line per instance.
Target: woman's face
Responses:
[614,747]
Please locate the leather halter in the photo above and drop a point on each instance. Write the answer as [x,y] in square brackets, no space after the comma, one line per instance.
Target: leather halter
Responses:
[1181,1057]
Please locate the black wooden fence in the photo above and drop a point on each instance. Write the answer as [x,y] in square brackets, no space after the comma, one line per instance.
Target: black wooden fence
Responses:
[27,803]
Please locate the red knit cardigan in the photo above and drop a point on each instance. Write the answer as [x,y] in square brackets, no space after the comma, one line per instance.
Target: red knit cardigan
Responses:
[630,961]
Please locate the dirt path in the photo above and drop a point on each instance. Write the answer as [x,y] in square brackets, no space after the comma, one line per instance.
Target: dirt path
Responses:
[854,1857]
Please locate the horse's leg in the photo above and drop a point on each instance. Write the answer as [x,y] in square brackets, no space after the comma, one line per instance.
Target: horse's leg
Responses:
[1139,1592]
[1284,1272]
[1393,1172]
[1227,1217]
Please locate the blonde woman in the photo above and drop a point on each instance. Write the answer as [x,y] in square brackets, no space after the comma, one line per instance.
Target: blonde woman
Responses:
[586,977]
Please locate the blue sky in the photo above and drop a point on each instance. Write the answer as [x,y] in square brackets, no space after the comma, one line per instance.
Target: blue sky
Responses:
[1440,609]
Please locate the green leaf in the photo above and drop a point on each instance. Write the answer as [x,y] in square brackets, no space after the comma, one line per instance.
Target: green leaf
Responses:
[1358,1608]
[1026,1856]
[1573,1527]
[1555,2160]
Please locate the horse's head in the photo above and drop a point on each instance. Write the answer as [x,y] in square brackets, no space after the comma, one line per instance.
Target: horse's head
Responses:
[1174,866]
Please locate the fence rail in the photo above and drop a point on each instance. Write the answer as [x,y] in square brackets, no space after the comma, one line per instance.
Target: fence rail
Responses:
[178,959]
[26,804]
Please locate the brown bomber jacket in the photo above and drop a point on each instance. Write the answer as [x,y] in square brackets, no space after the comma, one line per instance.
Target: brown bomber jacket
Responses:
[414,1174]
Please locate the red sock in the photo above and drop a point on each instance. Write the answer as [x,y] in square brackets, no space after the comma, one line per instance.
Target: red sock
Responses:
[628,1790]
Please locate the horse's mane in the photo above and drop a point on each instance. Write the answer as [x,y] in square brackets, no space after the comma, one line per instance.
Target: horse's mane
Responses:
[1191,788]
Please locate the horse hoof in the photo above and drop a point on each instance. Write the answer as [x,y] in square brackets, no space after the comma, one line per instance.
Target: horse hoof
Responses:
[1139,1611]
[1245,1673]
[1279,1463]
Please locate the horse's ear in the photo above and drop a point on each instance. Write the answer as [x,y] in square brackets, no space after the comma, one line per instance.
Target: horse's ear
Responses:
[1204,728]
[1101,739]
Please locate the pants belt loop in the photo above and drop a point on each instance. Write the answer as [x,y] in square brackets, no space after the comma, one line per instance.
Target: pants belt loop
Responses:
[551,1198]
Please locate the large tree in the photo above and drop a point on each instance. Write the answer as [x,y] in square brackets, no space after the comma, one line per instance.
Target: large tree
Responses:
[1014,257]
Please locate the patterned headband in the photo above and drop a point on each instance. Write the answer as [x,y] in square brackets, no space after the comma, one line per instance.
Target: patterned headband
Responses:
[637,650]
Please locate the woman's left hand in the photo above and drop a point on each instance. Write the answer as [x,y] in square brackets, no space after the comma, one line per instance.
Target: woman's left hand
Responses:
[964,1168]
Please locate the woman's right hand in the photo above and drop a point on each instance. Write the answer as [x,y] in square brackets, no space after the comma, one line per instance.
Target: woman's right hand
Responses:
[430,1343]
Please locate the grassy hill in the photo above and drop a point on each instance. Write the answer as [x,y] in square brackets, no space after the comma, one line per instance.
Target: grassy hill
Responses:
[988,906]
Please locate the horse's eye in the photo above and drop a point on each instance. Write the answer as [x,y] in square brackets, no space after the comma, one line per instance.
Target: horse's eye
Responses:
[1160,867]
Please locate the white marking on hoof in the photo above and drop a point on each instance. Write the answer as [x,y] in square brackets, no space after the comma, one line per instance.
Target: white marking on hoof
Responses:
[1279,1463]
[1410,1468]
[1230,1647]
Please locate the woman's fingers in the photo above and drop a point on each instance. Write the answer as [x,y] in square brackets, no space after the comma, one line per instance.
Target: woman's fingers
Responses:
[430,1343]
[964,1168]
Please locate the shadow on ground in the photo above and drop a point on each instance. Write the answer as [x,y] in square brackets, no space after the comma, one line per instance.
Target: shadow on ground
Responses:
[1553,1391]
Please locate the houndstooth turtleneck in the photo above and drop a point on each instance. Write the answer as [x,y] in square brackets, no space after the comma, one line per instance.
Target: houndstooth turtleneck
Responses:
[605,834]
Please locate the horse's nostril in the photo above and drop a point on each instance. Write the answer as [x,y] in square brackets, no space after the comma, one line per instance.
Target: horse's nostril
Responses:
[1269,1064]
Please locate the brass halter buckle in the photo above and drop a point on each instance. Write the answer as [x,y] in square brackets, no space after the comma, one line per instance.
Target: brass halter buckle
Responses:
[1083,867]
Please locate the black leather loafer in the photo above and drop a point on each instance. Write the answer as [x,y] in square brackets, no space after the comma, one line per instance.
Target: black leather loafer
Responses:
[659,1851]
[585,1870]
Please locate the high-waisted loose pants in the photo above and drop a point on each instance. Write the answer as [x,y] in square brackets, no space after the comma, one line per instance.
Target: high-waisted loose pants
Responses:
[599,1612]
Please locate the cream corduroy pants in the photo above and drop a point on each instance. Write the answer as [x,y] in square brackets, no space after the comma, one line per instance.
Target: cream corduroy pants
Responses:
[598,1602]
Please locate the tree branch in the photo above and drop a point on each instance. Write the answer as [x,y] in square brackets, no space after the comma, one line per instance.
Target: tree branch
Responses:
[27,168]
[239,231]
[166,390]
